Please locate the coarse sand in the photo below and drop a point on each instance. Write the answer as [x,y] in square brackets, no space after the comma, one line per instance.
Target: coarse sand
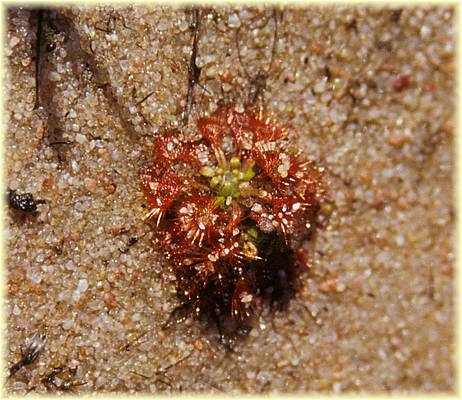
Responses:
[370,92]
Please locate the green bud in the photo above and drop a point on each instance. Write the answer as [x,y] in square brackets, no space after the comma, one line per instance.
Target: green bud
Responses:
[252,233]
[248,175]
[292,150]
[207,171]
[220,201]
[235,162]
[215,181]
[250,250]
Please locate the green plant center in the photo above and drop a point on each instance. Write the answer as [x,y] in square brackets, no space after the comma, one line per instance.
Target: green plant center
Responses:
[226,180]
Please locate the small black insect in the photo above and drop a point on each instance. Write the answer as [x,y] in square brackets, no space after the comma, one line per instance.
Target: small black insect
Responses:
[22,201]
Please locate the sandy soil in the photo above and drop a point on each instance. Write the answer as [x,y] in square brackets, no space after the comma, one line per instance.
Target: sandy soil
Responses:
[370,93]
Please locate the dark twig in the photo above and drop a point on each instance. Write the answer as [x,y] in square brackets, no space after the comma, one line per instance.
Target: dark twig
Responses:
[259,80]
[162,371]
[38,47]
[126,347]
[193,70]
[79,56]
[145,98]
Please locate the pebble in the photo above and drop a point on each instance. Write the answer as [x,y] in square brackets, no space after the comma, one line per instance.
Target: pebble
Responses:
[183,25]
[54,76]
[14,41]
[425,31]
[82,286]
[328,286]
[401,83]
[337,387]
[26,61]
[68,324]
[396,141]
[320,87]
[90,184]
[75,236]
[35,277]
[341,286]
[156,77]
[81,139]
[110,299]
[198,344]
[110,188]
[234,21]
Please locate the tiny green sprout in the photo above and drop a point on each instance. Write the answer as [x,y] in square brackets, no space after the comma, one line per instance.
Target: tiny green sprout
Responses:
[235,163]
